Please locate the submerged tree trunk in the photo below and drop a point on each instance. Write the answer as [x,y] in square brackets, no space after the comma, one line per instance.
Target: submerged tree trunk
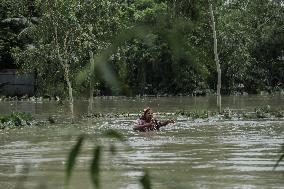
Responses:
[92,88]
[91,98]
[64,63]
[216,59]
[65,66]
[70,90]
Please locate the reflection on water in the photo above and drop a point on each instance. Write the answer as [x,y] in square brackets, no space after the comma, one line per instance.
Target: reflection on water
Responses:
[189,154]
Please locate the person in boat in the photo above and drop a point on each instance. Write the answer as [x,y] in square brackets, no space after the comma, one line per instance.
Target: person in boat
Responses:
[148,123]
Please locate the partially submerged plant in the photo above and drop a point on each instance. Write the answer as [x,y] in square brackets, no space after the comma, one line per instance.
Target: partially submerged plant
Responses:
[261,112]
[16,119]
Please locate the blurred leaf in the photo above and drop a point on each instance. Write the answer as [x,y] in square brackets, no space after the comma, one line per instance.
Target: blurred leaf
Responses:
[72,157]
[82,76]
[282,148]
[112,149]
[95,167]
[145,181]
[109,76]
[279,160]
[114,134]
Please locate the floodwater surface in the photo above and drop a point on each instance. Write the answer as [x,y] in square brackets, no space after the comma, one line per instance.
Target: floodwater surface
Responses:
[189,154]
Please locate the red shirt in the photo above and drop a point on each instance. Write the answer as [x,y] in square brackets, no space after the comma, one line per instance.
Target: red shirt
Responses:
[157,125]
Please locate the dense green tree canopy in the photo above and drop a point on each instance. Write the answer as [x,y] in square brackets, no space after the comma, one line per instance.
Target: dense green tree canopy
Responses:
[174,55]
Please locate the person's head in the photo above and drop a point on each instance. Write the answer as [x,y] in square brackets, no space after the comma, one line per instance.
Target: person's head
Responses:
[147,114]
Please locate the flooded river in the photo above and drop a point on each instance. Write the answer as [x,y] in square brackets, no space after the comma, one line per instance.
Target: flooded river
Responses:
[189,154]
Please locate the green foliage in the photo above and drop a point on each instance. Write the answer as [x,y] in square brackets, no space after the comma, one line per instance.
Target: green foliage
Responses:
[11,24]
[278,114]
[72,158]
[152,55]
[95,167]
[197,114]
[280,158]
[258,113]
[147,11]
[96,161]
[65,35]
[16,119]
[248,50]
[164,46]
[261,113]
[145,180]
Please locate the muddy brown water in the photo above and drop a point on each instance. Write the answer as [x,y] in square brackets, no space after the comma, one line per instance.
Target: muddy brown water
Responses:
[189,154]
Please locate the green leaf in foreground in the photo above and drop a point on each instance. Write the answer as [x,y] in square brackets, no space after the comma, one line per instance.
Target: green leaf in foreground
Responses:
[145,181]
[95,167]
[277,163]
[112,149]
[281,157]
[114,134]
[72,158]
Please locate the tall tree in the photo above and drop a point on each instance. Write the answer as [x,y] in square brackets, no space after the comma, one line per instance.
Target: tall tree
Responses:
[15,16]
[216,57]
[67,35]
[250,44]
[100,20]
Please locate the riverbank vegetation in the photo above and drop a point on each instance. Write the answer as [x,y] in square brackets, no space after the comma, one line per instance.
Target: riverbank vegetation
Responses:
[205,115]
[171,53]
[17,119]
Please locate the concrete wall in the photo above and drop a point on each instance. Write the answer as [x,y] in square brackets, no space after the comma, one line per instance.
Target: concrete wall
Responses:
[15,84]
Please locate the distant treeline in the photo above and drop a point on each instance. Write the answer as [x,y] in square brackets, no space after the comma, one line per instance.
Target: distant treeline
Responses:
[131,47]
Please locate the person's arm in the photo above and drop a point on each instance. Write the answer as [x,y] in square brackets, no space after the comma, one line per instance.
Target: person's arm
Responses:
[164,123]
[142,127]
